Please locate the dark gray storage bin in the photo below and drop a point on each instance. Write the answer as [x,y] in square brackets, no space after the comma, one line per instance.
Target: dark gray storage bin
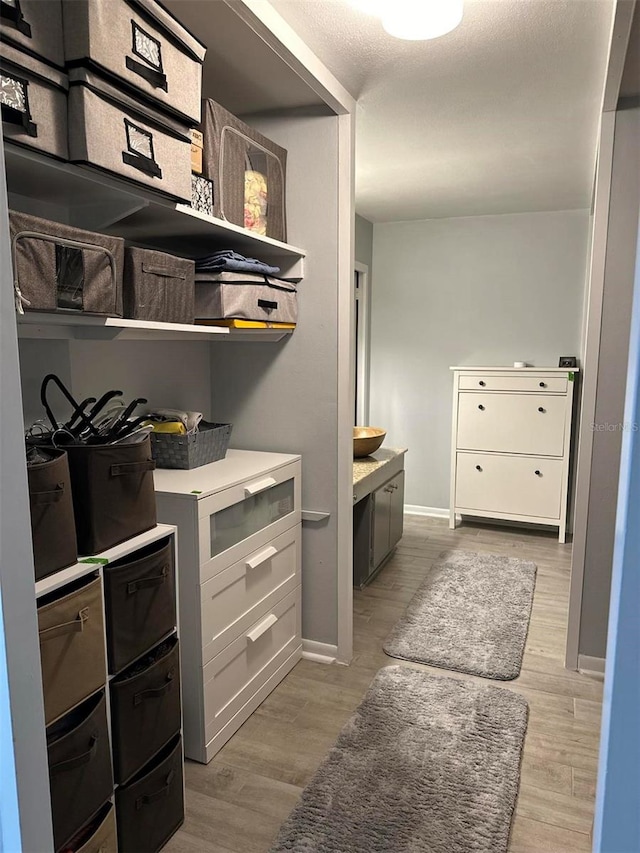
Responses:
[140,602]
[60,268]
[209,444]
[143,46]
[158,287]
[34,102]
[80,776]
[35,26]
[245,296]
[126,137]
[113,494]
[150,808]
[145,708]
[71,633]
[239,160]
[53,528]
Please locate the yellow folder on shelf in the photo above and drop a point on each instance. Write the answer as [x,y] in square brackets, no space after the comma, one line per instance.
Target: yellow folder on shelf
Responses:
[246,324]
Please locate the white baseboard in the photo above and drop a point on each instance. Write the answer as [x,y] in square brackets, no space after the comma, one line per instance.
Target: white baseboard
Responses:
[587,663]
[430,511]
[319,652]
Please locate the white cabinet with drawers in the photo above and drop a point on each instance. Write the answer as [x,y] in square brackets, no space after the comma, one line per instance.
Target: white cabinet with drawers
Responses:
[511,444]
[239,541]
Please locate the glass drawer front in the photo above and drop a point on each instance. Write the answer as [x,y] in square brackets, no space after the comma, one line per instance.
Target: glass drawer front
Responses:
[241,520]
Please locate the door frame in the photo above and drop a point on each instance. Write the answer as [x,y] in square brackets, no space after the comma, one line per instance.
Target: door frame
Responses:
[362,342]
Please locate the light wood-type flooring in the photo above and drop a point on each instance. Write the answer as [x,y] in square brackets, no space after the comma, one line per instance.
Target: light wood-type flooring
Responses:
[237,802]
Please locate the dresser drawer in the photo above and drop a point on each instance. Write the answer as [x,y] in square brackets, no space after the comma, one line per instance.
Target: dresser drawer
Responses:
[510,485]
[238,520]
[234,675]
[515,382]
[512,423]
[233,600]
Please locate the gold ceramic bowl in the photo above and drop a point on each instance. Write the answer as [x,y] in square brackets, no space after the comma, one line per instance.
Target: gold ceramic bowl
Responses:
[366,440]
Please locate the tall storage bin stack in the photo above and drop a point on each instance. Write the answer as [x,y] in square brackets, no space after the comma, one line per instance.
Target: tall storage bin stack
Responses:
[135,83]
[110,661]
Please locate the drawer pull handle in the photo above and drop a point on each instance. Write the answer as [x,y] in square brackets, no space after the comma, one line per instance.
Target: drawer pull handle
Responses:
[260,629]
[538,473]
[481,407]
[482,383]
[543,384]
[259,486]
[261,558]
[478,467]
[541,409]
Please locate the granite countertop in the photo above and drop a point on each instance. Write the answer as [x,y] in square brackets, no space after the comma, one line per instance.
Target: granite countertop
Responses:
[368,464]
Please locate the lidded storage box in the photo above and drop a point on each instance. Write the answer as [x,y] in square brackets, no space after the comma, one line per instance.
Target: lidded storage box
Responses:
[35,26]
[141,44]
[60,268]
[158,287]
[245,296]
[248,172]
[126,137]
[34,102]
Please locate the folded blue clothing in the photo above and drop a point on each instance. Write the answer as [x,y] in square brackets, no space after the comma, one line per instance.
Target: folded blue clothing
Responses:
[230,260]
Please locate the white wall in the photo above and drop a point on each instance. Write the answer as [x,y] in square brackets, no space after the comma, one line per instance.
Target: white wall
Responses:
[482,290]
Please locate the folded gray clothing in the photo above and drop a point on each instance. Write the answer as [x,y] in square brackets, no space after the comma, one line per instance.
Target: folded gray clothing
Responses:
[230,260]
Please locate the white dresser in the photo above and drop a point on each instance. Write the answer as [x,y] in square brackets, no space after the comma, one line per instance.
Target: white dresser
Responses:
[239,525]
[511,444]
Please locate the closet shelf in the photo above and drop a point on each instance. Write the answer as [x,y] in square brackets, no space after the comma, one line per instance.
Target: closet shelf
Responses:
[80,569]
[91,199]
[34,324]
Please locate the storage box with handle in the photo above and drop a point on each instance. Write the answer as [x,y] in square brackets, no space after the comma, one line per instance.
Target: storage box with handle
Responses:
[143,46]
[120,134]
[98,835]
[209,444]
[34,102]
[140,601]
[64,269]
[113,496]
[71,633]
[150,808]
[248,172]
[80,776]
[53,528]
[245,296]
[158,287]
[35,26]
[145,708]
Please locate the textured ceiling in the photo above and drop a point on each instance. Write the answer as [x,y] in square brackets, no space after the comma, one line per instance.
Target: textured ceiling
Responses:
[499,116]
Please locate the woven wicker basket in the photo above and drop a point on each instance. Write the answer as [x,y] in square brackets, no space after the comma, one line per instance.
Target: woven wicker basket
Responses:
[209,444]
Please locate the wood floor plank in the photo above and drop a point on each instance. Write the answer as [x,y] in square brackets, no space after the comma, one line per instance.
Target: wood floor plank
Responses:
[236,803]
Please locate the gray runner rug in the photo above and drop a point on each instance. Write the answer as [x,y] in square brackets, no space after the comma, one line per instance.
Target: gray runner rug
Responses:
[471,614]
[425,765]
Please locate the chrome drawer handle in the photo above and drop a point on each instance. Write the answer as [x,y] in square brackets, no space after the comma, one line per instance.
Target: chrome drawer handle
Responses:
[259,486]
[261,558]
[262,628]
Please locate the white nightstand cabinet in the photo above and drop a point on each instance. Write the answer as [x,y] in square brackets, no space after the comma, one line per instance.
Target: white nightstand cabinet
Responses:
[511,444]
[239,525]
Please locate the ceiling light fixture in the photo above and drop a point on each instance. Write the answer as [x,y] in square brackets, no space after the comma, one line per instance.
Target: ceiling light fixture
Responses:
[415,20]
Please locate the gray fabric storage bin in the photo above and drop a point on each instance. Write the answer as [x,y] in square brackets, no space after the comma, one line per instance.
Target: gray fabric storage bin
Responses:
[121,135]
[158,287]
[35,26]
[209,444]
[231,151]
[143,45]
[245,296]
[65,269]
[34,102]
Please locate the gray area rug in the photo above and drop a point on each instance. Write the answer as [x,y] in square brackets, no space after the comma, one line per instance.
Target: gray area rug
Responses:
[425,765]
[471,614]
